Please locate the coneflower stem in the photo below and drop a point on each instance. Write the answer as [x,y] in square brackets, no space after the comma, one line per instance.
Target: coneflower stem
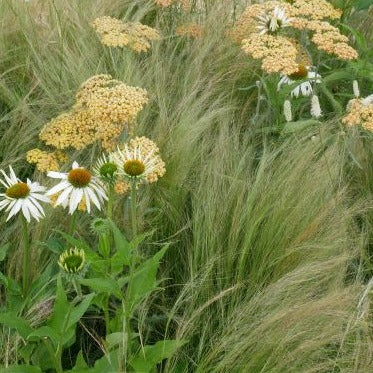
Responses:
[133,208]
[78,288]
[26,256]
[110,201]
[72,224]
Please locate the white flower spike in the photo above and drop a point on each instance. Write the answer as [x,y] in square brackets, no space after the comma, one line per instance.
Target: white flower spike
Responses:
[22,197]
[76,186]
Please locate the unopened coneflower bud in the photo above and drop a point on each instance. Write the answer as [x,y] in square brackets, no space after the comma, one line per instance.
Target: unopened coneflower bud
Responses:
[287,111]
[355,87]
[315,107]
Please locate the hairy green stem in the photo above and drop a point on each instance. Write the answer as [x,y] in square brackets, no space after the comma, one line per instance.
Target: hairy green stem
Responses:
[133,208]
[26,256]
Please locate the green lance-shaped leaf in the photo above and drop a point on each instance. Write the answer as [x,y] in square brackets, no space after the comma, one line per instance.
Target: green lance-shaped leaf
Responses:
[103,285]
[144,280]
[12,321]
[150,356]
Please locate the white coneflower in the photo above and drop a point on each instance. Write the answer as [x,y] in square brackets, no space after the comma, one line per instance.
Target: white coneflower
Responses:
[106,169]
[20,196]
[76,186]
[287,111]
[355,87]
[139,160]
[268,23]
[303,73]
[316,111]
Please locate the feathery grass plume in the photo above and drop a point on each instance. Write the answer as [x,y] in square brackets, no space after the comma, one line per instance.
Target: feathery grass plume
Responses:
[285,252]
[46,161]
[116,33]
[104,108]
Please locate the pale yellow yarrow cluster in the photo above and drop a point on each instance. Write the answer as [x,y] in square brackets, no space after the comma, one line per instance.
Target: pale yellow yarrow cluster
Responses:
[192,30]
[309,15]
[104,108]
[122,187]
[327,38]
[46,161]
[116,33]
[186,4]
[277,53]
[314,9]
[359,114]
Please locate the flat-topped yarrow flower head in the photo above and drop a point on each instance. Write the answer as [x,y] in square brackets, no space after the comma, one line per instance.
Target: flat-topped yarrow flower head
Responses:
[22,197]
[76,186]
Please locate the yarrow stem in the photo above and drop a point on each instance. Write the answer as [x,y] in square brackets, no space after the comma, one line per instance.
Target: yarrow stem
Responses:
[26,256]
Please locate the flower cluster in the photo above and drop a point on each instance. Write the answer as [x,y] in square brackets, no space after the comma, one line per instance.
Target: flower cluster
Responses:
[134,35]
[104,108]
[46,161]
[277,53]
[360,113]
[259,26]
[192,30]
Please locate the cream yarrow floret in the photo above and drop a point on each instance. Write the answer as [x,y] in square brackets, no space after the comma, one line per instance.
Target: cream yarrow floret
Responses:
[77,186]
[22,197]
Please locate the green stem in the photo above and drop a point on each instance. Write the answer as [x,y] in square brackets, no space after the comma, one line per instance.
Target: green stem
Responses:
[72,224]
[57,363]
[26,256]
[133,208]
[78,288]
[107,317]
[110,201]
